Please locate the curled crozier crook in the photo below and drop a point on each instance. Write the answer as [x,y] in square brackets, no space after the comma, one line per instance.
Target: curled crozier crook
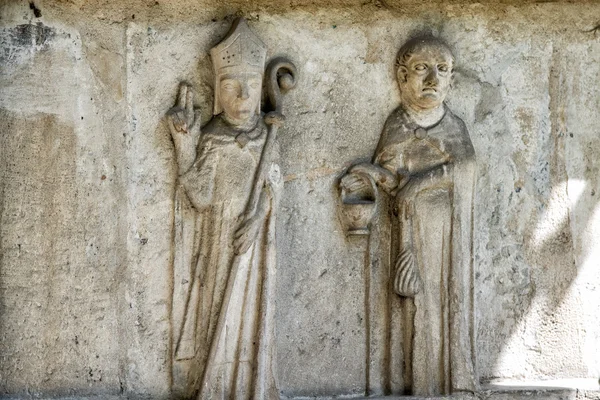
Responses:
[281,75]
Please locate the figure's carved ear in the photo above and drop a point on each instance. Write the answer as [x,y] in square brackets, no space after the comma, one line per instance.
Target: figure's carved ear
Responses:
[402,73]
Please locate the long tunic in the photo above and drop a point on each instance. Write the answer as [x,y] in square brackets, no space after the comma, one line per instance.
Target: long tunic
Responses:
[210,198]
[430,338]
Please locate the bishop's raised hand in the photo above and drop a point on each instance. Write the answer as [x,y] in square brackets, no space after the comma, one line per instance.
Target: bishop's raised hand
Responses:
[183,119]
[184,125]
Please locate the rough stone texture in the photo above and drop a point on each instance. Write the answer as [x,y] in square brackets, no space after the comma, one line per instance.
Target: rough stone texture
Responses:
[88,179]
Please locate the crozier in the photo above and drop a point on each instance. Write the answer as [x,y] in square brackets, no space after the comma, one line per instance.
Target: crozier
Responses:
[224,259]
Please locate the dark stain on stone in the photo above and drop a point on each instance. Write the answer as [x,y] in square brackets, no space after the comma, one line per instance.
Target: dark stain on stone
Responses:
[26,35]
[36,11]
[491,98]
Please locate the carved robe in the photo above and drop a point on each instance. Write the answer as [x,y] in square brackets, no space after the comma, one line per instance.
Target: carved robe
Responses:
[430,336]
[209,199]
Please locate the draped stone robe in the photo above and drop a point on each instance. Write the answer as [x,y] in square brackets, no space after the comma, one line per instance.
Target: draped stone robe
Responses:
[209,199]
[429,338]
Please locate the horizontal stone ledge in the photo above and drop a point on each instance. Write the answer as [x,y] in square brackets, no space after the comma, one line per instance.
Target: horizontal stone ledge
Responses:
[497,393]
[586,384]
[508,394]
[98,397]
[559,389]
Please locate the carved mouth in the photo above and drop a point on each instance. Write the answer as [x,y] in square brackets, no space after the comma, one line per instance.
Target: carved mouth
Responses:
[243,107]
[430,90]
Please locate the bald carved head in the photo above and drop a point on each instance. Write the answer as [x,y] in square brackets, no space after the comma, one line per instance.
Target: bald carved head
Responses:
[424,74]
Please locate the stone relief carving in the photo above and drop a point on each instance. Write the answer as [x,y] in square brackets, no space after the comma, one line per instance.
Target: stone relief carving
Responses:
[224,258]
[420,243]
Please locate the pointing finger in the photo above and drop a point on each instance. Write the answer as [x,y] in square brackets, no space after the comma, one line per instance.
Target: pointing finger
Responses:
[183,88]
[189,105]
[171,125]
[196,122]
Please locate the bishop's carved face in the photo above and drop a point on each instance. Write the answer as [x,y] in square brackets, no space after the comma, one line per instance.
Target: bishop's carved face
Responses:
[425,76]
[239,94]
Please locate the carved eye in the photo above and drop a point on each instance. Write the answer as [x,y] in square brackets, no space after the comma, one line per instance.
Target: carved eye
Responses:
[254,85]
[228,86]
[443,68]
[420,67]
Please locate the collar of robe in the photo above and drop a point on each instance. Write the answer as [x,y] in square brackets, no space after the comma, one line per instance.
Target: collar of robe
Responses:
[244,138]
[245,135]
[419,131]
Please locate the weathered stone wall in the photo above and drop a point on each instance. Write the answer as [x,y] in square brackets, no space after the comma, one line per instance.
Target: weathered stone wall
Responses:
[88,178]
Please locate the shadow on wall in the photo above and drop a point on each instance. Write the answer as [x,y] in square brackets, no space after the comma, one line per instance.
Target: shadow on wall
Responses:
[547,280]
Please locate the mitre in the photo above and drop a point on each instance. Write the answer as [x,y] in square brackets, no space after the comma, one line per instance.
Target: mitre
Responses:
[240,51]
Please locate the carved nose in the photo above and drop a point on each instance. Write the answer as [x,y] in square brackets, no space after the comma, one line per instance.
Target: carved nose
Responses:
[432,78]
[244,92]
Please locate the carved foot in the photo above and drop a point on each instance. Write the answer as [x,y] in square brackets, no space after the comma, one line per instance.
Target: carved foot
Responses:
[407,282]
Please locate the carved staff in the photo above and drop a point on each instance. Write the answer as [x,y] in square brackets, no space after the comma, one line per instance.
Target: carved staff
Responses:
[280,74]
